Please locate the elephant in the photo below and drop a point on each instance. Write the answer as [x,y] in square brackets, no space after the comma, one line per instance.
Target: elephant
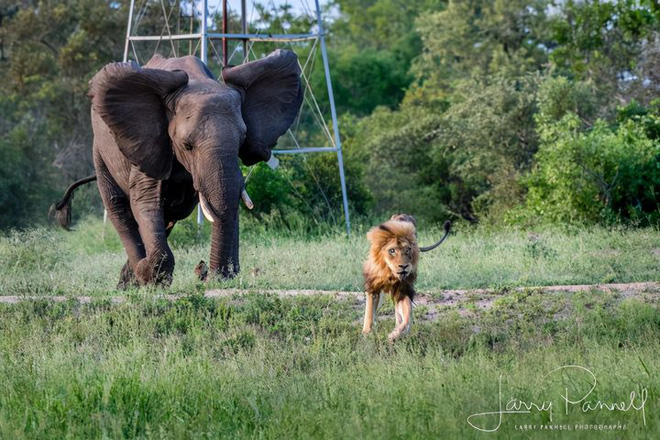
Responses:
[168,135]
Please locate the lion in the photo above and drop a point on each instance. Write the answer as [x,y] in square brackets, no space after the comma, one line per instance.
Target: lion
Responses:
[392,268]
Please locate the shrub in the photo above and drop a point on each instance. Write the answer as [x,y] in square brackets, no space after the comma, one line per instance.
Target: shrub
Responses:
[602,175]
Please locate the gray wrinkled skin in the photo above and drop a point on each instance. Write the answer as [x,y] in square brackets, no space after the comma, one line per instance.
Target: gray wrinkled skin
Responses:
[168,131]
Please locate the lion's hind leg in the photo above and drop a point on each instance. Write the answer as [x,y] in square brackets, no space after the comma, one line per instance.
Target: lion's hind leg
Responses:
[403,313]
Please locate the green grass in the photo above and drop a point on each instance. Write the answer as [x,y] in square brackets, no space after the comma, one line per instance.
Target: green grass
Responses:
[87,261]
[258,366]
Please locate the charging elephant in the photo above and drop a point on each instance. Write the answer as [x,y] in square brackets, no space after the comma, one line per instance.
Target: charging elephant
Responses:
[168,135]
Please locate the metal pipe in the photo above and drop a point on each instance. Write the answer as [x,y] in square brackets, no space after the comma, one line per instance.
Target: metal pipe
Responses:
[174,37]
[220,36]
[224,31]
[265,37]
[307,150]
[178,22]
[192,25]
[244,29]
[333,112]
[203,33]
[128,30]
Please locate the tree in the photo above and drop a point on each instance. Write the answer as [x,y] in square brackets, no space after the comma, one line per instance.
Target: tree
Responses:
[602,41]
[372,45]
[478,38]
[51,50]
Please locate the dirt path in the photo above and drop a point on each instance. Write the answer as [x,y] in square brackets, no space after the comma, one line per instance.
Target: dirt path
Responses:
[481,298]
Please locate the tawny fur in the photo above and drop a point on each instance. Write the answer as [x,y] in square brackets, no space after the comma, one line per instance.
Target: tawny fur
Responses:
[393,248]
[392,268]
[378,276]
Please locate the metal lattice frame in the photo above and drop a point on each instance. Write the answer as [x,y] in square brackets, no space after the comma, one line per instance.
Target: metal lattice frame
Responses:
[204,36]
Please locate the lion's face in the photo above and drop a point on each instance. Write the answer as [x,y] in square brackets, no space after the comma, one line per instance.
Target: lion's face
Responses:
[399,257]
[394,249]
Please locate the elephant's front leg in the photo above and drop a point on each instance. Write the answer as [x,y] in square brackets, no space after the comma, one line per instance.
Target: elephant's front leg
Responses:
[146,204]
[119,211]
[127,277]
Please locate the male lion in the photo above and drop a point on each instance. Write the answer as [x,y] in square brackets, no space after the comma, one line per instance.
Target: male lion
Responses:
[392,267]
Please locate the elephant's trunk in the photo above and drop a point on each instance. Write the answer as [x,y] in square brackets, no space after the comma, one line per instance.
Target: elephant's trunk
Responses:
[221,187]
[224,248]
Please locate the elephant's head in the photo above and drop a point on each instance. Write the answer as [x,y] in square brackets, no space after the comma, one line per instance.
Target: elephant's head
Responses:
[175,109]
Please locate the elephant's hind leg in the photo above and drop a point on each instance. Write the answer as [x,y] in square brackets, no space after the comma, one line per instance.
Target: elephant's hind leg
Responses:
[119,213]
[127,278]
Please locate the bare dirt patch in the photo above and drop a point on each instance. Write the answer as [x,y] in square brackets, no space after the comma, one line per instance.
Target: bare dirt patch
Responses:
[466,302]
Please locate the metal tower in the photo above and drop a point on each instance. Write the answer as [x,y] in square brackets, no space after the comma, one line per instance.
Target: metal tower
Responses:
[201,37]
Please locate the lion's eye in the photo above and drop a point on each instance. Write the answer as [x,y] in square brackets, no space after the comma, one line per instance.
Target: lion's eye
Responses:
[392,251]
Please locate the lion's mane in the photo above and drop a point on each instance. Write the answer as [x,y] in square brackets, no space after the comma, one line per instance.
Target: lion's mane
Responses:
[377,274]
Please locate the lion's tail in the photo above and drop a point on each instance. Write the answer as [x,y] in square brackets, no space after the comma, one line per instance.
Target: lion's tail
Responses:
[447,227]
[61,211]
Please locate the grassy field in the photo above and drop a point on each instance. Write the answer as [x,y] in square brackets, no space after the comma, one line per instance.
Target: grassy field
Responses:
[88,260]
[257,366]
[262,366]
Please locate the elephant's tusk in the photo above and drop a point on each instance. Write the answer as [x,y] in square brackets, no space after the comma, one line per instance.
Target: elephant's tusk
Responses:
[205,209]
[246,199]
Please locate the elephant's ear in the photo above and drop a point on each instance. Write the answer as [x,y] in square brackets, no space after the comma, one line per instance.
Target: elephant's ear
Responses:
[273,94]
[130,100]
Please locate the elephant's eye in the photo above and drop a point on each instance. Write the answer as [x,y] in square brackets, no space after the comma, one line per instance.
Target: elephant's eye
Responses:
[187,145]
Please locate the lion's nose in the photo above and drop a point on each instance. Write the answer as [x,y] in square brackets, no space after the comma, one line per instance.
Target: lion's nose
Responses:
[403,266]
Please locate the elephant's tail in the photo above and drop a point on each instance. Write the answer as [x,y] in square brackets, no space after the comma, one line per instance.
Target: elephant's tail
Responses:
[61,211]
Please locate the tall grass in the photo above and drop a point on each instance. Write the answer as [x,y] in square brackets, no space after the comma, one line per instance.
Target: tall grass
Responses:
[88,260]
[258,366]
[261,366]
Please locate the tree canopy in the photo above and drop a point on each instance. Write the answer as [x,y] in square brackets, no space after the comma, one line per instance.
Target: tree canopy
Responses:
[520,111]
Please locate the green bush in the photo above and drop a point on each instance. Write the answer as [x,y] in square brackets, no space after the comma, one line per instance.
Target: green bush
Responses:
[602,175]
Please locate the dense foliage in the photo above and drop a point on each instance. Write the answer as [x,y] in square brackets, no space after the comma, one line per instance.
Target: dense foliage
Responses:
[522,111]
